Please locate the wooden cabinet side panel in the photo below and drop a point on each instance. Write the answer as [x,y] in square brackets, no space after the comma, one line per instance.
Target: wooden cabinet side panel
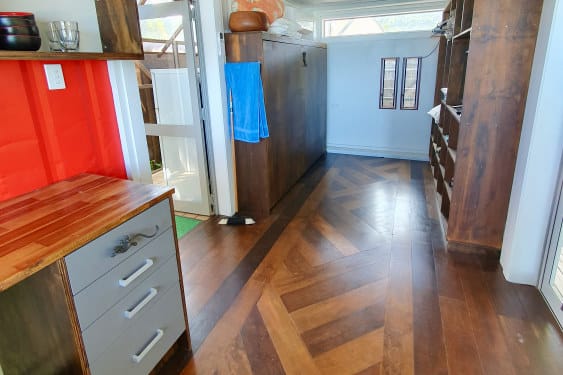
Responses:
[120,31]
[252,159]
[315,104]
[37,330]
[253,181]
[499,65]
[244,47]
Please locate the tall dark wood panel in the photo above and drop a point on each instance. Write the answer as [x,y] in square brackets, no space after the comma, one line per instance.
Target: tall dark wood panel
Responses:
[294,80]
[37,331]
[119,26]
[488,65]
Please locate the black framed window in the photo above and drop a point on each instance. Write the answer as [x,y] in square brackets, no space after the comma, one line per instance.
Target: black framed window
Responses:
[388,86]
[411,82]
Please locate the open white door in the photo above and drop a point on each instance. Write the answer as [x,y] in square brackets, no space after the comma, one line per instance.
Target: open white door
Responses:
[169,86]
[552,280]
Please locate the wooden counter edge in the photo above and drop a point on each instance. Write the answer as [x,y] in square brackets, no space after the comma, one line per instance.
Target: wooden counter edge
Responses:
[74,244]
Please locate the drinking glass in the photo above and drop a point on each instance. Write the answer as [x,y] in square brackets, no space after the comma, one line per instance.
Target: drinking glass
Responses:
[63,36]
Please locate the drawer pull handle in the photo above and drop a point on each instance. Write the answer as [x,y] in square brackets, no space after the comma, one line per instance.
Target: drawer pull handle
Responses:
[131,240]
[137,358]
[129,314]
[125,282]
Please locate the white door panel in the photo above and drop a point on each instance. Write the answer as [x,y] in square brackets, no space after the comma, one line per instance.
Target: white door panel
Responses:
[552,278]
[167,33]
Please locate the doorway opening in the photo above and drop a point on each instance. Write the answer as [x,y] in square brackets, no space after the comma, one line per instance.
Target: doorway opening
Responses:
[551,284]
[169,81]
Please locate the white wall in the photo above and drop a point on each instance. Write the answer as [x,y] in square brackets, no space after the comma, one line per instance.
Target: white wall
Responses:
[356,125]
[539,155]
[82,11]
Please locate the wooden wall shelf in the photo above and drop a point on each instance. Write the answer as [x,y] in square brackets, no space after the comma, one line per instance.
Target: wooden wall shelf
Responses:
[26,55]
[118,28]
[464,34]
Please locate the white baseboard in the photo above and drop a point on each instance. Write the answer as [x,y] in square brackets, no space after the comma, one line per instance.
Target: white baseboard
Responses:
[376,152]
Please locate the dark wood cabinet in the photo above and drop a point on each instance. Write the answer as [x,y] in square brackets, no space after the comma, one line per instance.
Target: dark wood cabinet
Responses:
[294,80]
[486,68]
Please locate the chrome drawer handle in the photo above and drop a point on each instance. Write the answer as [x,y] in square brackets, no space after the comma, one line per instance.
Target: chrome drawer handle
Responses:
[129,314]
[131,240]
[137,358]
[125,282]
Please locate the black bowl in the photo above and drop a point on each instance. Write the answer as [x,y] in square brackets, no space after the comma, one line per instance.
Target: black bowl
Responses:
[22,15]
[20,42]
[17,19]
[19,30]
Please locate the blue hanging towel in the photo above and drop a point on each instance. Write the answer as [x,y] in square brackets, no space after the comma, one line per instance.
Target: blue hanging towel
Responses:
[249,113]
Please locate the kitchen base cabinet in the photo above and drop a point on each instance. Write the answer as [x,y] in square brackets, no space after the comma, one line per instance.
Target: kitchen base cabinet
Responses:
[37,334]
[90,280]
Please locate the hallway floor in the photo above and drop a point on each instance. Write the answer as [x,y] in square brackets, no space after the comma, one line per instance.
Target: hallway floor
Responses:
[349,275]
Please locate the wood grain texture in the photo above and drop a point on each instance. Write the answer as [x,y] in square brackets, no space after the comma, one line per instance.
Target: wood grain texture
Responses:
[120,31]
[23,55]
[37,331]
[502,47]
[43,226]
[399,304]
[294,82]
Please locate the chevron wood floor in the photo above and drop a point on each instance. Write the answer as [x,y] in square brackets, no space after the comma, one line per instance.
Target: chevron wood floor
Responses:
[349,275]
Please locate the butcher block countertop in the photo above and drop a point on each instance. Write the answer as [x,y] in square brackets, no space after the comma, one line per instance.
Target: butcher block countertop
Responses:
[38,228]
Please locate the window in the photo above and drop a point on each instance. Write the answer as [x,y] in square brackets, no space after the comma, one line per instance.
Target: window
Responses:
[411,82]
[388,87]
[381,24]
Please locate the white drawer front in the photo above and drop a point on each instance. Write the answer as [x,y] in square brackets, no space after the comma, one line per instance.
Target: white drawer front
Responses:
[95,258]
[130,310]
[103,293]
[161,326]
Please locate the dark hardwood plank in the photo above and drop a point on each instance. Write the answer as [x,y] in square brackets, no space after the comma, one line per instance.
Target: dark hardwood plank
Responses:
[334,286]
[331,335]
[459,341]
[259,348]
[398,355]
[427,323]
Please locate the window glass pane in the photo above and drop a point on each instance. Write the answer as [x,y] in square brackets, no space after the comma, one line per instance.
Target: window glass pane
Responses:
[381,24]
[388,83]
[410,83]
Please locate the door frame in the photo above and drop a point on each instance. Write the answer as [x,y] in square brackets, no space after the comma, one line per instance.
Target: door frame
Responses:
[209,21]
[552,240]
[195,130]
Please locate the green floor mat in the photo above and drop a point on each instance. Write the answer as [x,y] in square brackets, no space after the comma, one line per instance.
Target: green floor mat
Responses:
[184,225]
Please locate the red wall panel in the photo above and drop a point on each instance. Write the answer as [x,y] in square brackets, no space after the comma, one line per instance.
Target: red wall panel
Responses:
[47,136]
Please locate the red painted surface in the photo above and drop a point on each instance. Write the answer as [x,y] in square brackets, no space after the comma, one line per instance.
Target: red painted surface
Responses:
[47,136]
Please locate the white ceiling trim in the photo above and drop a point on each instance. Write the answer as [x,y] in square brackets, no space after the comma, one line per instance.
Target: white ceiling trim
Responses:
[322,5]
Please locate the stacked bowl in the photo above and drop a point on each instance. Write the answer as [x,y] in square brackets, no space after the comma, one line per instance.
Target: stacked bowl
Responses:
[18,32]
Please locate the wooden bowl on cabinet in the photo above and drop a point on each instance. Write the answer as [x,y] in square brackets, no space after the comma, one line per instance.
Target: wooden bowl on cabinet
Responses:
[248,21]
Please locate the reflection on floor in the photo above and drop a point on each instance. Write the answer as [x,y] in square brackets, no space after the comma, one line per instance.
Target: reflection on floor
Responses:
[192,216]
[158,178]
[349,275]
